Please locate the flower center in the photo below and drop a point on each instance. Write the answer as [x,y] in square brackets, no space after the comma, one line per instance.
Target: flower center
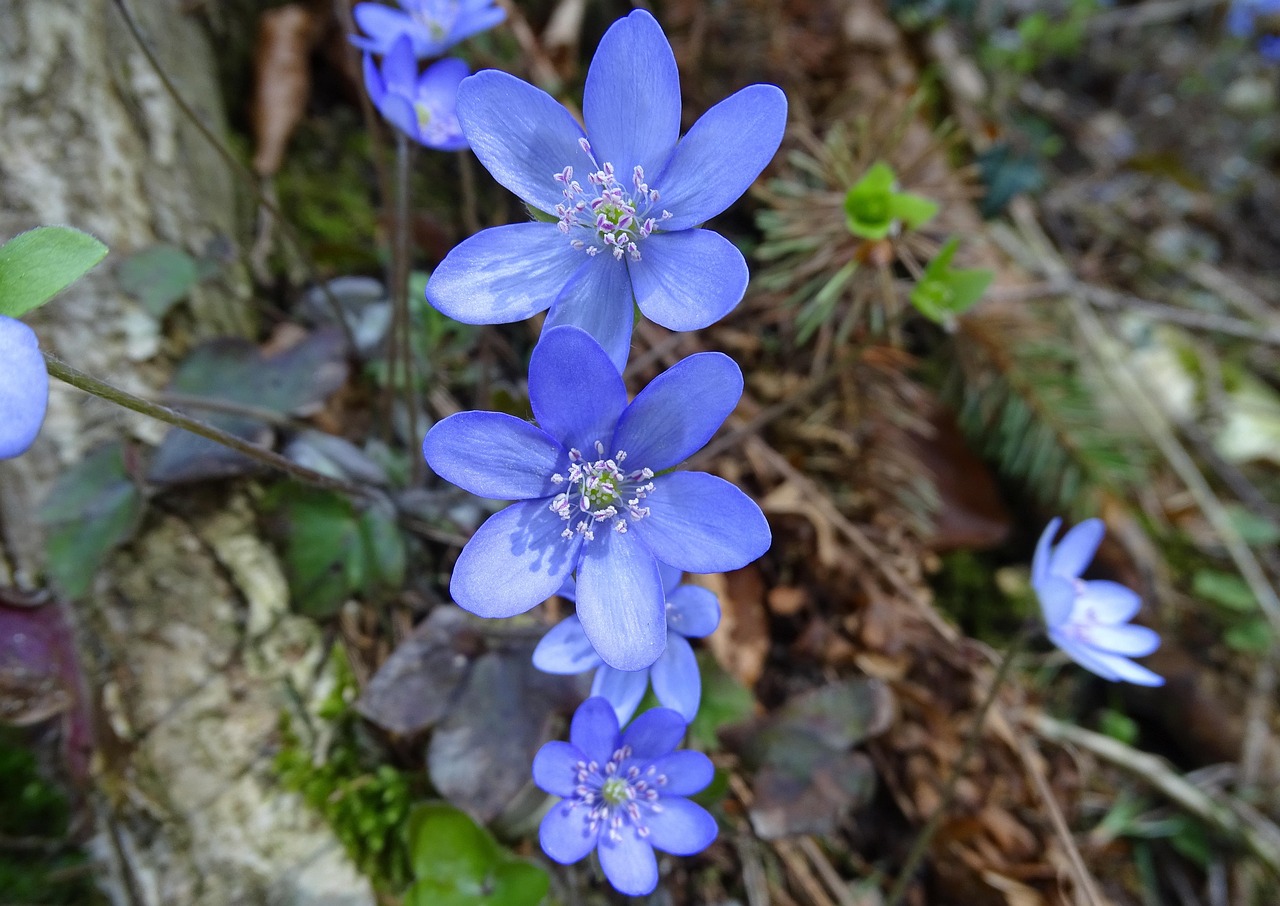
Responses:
[617,793]
[436,16]
[599,492]
[617,219]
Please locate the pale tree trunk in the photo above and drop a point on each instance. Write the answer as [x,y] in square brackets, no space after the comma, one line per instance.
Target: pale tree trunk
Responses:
[187,640]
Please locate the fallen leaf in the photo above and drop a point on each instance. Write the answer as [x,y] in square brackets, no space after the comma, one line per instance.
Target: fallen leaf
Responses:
[282,82]
[741,642]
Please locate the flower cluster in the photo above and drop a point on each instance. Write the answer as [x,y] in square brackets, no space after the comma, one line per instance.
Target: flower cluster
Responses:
[24,390]
[1261,18]
[1089,620]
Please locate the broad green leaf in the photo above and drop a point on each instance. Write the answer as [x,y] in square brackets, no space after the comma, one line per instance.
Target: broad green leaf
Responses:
[445,845]
[38,264]
[91,509]
[1224,589]
[913,210]
[519,883]
[158,277]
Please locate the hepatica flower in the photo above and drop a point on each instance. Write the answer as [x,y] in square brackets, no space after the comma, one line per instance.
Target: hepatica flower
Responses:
[595,494]
[433,26]
[622,201]
[1262,17]
[24,387]
[1089,620]
[424,107]
[692,612]
[623,794]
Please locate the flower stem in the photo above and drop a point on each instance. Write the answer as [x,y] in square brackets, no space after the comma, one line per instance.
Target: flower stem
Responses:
[921,844]
[76,378]
[401,342]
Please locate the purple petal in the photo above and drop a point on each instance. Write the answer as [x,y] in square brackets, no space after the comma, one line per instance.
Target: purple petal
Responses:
[1057,600]
[686,772]
[503,274]
[24,391]
[632,97]
[1112,667]
[692,611]
[676,680]
[438,90]
[383,26]
[1126,639]
[400,67]
[680,410]
[1073,554]
[515,560]
[654,733]
[555,768]
[565,649]
[1044,549]
[565,833]
[494,455]
[1109,602]
[688,280]
[599,300]
[670,579]
[628,862]
[373,80]
[702,524]
[594,729]
[397,110]
[569,590]
[576,392]
[681,828]
[621,688]
[722,155]
[1083,655]
[620,600]
[475,18]
[521,135]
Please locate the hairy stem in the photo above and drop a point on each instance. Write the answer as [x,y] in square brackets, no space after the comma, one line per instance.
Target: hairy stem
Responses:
[400,299]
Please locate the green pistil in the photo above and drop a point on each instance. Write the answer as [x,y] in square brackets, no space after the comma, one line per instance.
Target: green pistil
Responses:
[604,495]
[614,791]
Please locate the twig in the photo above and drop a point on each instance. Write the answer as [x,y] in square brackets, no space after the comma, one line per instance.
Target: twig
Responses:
[240,169]
[921,844]
[401,340]
[1085,882]
[1225,813]
[64,372]
[192,401]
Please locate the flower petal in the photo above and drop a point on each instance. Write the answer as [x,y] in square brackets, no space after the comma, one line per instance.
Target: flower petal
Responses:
[495,455]
[475,18]
[515,560]
[620,600]
[1057,600]
[631,101]
[1072,556]
[599,300]
[676,680]
[670,578]
[1044,548]
[628,862]
[692,611]
[565,649]
[682,828]
[1126,639]
[565,833]
[722,155]
[503,274]
[594,729]
[702,524]
[373,79]
[555,768]
[1112,667]
[687,772]
[654,733]
[383,26]
[522,135]
[1083,655]
[1109,602]
[24,391]
[575,391]
[400,67]
[621,688]
[688,280]
[680,410]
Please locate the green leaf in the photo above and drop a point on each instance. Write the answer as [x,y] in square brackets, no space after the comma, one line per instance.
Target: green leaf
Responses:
[91,509]
[447,846]
[868,205]
[1224,589]
[158,277]
[1249,637]
[942,292]
[913,210]
[38,264]
[519,883]
[724,701]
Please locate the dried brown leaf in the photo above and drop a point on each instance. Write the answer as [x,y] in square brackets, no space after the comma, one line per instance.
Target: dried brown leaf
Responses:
[282,80]
[741,643]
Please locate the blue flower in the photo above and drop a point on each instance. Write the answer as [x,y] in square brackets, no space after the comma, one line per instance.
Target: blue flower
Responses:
[1243,21]
[692,612]
[433,26]
[623,794]
[623,199]
[424,107]
[596,493]
[1089,620]
[24,391]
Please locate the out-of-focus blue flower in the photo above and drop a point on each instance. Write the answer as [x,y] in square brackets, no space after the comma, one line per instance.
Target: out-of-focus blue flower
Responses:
[433,26]
[692,612]
[423,107]
[24,387]
[1089,620]
[1245,20]
[623,794]
[623,199]
[595,493]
